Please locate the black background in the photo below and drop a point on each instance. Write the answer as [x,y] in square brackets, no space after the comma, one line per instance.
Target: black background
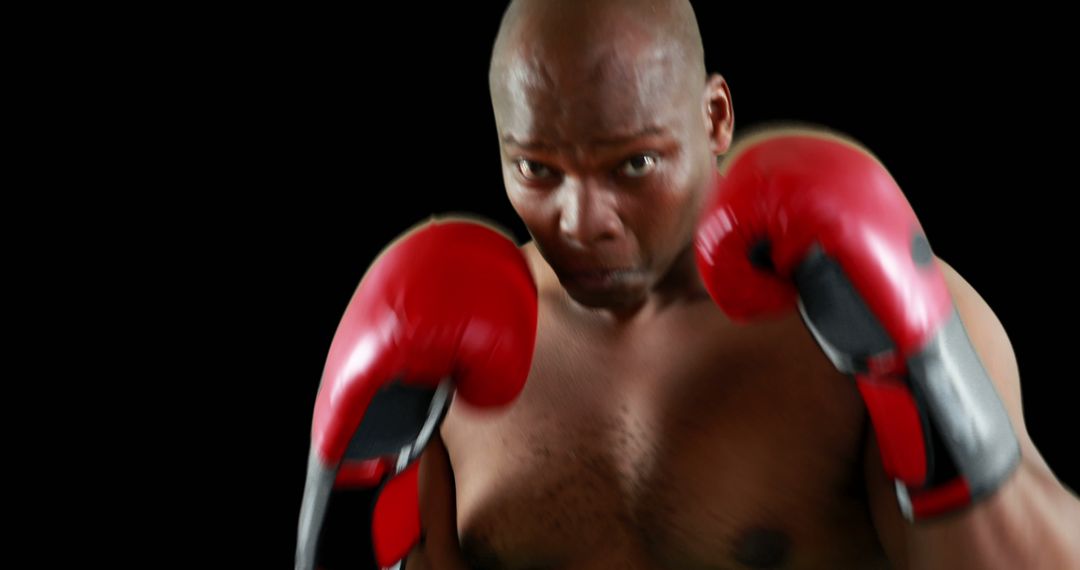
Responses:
[290,147]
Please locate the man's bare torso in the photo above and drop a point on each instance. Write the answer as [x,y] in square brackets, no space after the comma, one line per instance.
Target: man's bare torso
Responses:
[686,442]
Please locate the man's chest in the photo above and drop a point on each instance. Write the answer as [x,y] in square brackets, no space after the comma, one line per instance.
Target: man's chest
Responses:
[697,446]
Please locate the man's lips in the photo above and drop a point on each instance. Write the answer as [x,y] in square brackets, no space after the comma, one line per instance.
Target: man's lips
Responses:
[595,277]
[597,270]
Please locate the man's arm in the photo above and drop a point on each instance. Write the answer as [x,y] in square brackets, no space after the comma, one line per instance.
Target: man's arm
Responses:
[439,546]
[1030,522]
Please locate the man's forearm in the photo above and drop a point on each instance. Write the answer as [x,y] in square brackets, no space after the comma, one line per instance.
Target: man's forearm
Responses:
[1032,522]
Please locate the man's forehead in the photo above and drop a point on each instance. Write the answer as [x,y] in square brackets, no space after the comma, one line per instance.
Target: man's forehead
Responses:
[602,68]
[561,66]
[610,90]
[552,129]
[544,141]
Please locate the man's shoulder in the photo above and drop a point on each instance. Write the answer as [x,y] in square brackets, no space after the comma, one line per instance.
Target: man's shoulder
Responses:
[535,261]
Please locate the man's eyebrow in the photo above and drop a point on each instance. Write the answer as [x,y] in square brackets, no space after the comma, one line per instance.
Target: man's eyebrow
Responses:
[527,145]
[615,140]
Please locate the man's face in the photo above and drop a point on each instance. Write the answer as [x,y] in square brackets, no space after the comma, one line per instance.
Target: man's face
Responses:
[605,157]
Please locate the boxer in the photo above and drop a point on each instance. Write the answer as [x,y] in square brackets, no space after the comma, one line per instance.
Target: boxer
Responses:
[747,355]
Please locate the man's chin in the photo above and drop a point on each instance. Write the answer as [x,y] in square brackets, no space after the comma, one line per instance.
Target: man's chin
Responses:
[614,297]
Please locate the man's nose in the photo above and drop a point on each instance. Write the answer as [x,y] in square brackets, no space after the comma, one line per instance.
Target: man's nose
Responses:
[589,215]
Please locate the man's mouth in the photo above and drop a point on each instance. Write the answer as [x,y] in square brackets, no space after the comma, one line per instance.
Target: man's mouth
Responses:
[597,279]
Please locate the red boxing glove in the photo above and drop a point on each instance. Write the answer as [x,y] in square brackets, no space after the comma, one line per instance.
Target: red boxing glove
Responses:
[808,220]
[451,305]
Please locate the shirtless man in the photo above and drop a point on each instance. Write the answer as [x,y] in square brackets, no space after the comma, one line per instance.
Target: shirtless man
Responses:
[654,431]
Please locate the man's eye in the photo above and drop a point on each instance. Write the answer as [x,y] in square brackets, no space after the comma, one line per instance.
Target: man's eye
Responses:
[638,166]
[533,170]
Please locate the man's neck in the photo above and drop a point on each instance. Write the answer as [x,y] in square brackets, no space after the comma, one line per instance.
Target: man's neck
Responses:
[679,286]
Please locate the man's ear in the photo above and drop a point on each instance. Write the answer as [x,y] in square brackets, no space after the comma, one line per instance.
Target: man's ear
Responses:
[719,114]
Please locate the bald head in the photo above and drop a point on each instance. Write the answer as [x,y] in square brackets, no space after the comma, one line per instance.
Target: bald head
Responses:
[608,132]
[560,41]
